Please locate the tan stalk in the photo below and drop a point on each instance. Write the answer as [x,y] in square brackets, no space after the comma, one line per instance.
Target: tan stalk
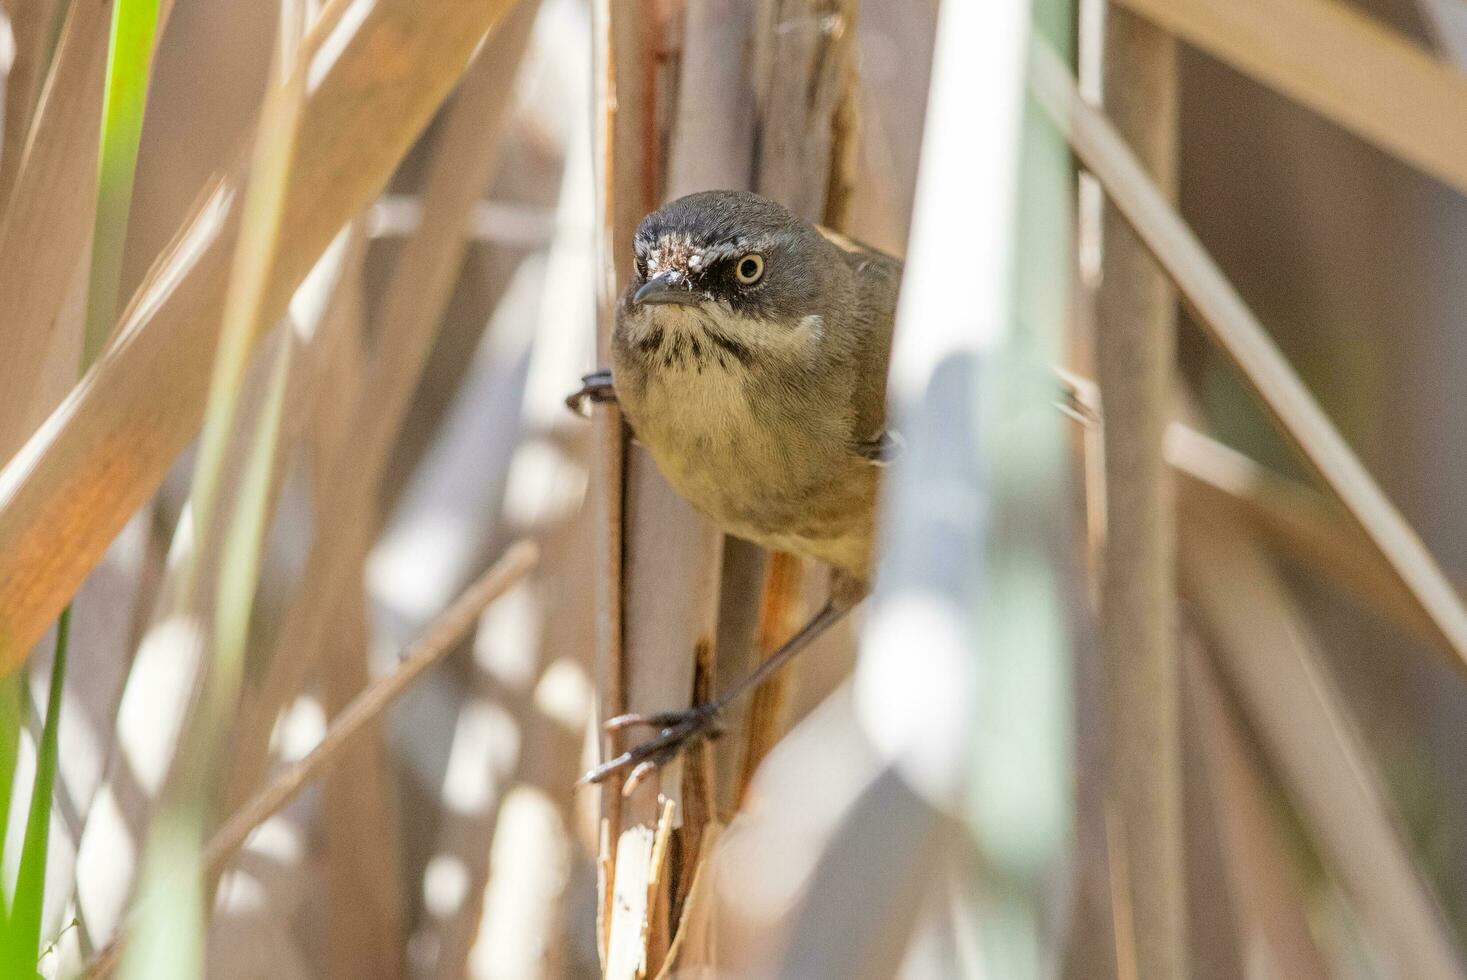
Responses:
[359,815]
[1267,652]
[781,612]
[31,23]
[346,498]
[1341,63]
[438,639]
[1234,327]
[43,239]
[1135,348]
[669,554]
[712,147]
[108,446]
[1294,519]
[805,82]
[359,794]
[125,802]
[1262,867]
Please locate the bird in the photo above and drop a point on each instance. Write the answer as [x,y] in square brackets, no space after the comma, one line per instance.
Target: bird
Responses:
[749,358]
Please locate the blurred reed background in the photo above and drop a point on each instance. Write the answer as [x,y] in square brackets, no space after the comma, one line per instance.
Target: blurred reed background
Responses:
[312,593]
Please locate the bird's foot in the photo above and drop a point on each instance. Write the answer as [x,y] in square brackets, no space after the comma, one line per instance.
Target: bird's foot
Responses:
[595,388]
[678,732]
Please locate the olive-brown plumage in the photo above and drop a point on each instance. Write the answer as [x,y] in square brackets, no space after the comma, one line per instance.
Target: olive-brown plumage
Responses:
[749,357]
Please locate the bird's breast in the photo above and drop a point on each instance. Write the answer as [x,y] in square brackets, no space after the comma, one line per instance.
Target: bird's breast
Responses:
[766,461]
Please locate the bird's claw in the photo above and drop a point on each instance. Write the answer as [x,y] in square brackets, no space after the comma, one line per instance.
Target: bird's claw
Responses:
[595,388]
[679,731]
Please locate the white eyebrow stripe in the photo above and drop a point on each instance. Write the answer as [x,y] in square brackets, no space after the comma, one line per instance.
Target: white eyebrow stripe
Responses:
[718,253]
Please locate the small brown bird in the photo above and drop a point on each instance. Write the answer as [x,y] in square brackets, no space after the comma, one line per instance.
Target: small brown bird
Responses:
[750,357]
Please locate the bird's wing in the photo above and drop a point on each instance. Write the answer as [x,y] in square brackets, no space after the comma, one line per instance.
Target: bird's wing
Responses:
[884,449]
[879,276]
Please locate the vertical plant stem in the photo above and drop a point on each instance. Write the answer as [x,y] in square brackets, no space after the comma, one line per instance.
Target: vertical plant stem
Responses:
[628,672]
[134,23]
[780,613]
[12,694]
[33,24]
[168,941]
[1135,349]
[22,937]
[130,50]
[804,57]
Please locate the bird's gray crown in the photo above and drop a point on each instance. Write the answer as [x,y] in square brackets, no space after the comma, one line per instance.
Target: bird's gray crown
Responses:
[701,237]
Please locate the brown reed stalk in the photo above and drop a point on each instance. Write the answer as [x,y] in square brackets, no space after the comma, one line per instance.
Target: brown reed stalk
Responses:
[1343,64]
[1266,652]
[437,640]
[1264,878]
[803,57]
[1293,519]
[109,447]
[32,23]
[1135,348]
[417,292]
[44,235]
[1232,325]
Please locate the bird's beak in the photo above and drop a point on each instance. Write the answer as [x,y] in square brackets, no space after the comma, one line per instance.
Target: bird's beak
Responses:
[665,287]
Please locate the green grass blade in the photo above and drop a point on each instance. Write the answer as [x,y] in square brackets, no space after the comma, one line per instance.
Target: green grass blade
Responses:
[12,690]
[129,58]
[168,939]
[167,942]
[129,55]
[21,942]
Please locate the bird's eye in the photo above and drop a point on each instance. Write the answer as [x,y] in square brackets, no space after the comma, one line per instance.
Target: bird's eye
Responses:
[750,269]
[641,263]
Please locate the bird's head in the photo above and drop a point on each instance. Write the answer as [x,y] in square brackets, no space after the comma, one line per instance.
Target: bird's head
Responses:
[735,262]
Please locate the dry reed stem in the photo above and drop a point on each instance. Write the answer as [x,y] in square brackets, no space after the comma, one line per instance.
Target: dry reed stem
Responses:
[805,82]
[1294,519]
[418,290]
[736,649]
[866,894]
[1262,870]
[632,880]
[45,237]
[31,23]
[608,461]
[803,73]
[694,945]
[1135,347]
[1217,944]
[436,641]
[669,553]
[365,938]
[781,613]
[1233,326]
[712,147]
[106,449]
[359,801]
[359,795]
[672,562]
[127,801]
[616,200]
[699,793]
[1266,651]
[45,234]
[715,121]
[1341,63]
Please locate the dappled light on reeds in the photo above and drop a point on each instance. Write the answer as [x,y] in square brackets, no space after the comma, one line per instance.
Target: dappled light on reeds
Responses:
[314,599]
